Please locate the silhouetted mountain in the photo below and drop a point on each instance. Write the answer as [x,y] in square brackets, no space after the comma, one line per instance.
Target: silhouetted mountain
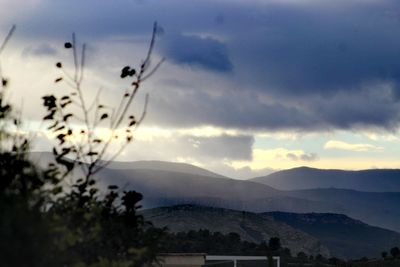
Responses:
[343,236]
[250,226]
[162,188]
[377,180]
[164,166]
[379,209]
[43,158]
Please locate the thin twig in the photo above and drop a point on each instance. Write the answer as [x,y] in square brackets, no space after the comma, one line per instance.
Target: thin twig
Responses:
[8,36]
[82,63]
[153,70]
[76,69]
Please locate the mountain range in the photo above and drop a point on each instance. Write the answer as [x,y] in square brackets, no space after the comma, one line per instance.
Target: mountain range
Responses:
[167,184]
[345,237]
[165,187]
[313,233]
[374,180]
[251,227]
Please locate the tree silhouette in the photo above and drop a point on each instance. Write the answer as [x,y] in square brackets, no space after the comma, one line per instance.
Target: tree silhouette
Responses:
[45,222]
[274,243]
[395,252]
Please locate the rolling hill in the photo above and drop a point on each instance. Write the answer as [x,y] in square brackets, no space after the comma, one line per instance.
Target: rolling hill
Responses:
[376,180]
[343,236]
[163,187]
[250,226]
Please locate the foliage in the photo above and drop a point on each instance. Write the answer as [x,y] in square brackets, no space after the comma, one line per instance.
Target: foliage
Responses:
[395,252]
[44,221]
[215,243]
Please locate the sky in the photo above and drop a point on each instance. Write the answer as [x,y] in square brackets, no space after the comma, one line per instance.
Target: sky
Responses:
[247,87]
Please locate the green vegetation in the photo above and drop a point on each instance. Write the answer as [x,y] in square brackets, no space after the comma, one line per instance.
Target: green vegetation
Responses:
[45,221]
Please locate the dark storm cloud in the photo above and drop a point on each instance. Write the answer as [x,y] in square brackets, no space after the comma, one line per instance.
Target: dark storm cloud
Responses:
[189,107]
[322,64]
[204,149]
[206,52]
[323,48]
[225,146]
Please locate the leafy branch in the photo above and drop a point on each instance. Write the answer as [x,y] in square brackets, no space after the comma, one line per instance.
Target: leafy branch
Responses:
[84,145]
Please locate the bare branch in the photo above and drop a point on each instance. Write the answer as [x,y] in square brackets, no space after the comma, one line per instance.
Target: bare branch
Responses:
[8,36]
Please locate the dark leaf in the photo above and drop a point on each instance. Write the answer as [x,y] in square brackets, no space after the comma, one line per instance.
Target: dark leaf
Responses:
[93,191]
[65,151]
[49,101]
[125,71]
[68,45]
[113,187]
[132,72]
[132,123]
[50,116]
[54,125]
[92,153]
[58,80]
[60,128]
[57,190]
[58,65]
[61,137]
[4,82]
[104,116]
[69,165]
[66,117]
[63,105]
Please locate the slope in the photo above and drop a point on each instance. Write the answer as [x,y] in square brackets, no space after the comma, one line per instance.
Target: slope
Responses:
[343,236]
[250,226]
[377,180]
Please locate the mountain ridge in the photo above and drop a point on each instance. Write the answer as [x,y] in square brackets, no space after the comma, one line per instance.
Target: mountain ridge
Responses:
[369,180]
[251,227]
[345,237]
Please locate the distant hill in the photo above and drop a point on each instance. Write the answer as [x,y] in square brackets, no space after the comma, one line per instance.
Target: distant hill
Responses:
[164,166]
[343,236]
[43,158]
[166,187]
[378,209]
[377,180]
[250,226]
[162,188]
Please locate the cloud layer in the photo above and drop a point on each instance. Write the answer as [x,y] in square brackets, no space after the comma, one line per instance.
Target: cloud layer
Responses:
[251,68]
[301,65]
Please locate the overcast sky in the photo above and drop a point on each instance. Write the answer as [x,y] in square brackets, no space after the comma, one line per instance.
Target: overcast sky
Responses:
[247,85]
